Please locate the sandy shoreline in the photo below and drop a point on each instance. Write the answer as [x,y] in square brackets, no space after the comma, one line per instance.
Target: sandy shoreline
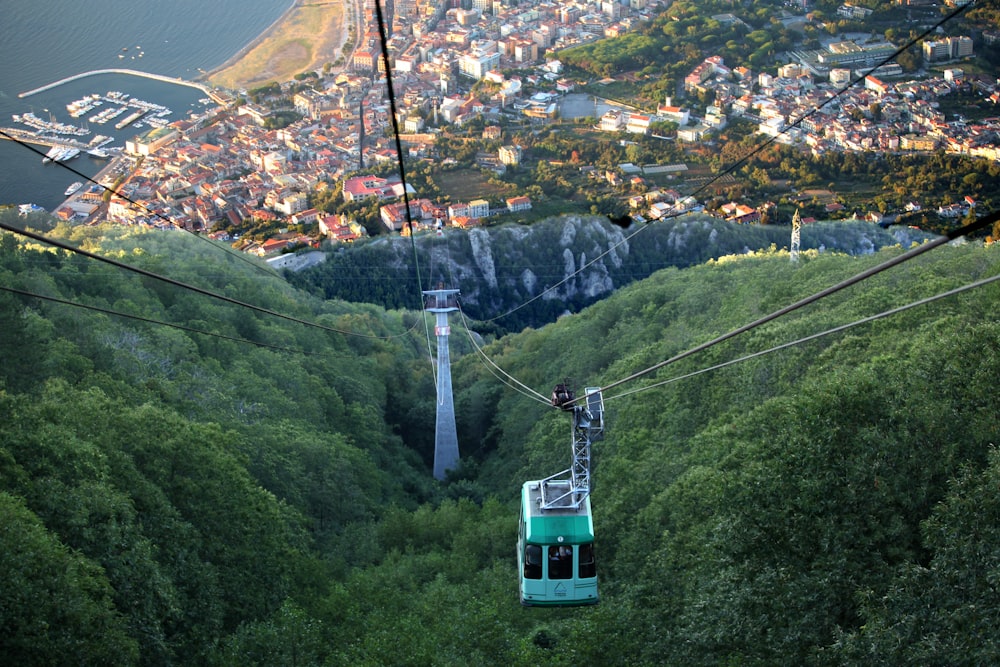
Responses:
[254,43]
[305,37]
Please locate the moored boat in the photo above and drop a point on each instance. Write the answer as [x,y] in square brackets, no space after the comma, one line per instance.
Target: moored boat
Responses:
[53,153]
[73,188]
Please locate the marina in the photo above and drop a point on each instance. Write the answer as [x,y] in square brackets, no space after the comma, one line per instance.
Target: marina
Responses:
[60,136]
[129,119]
[63,148]
[90,37]
[79,107]
[49,126]
[60,154]
[107,114]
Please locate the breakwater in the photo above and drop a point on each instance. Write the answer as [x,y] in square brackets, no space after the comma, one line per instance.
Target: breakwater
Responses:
[131,72]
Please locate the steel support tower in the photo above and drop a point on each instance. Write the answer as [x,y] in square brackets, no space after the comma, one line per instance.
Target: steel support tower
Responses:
[441,302]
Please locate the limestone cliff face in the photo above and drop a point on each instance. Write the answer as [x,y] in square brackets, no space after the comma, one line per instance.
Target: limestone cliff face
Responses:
[567,258]
[558,265]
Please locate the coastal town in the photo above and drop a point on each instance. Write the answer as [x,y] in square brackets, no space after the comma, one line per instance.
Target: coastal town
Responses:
[235,166]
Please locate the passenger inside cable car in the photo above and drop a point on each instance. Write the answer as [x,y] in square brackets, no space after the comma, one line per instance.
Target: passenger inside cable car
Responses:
[560,562]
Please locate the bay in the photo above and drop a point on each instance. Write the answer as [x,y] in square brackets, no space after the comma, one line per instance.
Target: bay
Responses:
[42,41]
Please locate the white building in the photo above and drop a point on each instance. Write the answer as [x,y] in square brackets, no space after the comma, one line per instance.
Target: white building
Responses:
[476,63]
[479,208]
[637,123]
[612,121]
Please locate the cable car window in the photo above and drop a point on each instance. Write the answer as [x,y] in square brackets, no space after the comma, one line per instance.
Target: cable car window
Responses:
[588,564]
[560,562]
[532,562]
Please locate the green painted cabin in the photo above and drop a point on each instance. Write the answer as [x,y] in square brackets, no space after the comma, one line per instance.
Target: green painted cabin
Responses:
[555,548]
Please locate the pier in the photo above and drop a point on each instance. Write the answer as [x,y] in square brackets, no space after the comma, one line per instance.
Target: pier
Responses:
[28,137]
[219,99]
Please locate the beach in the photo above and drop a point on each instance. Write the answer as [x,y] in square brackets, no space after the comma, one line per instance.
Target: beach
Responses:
[306,37]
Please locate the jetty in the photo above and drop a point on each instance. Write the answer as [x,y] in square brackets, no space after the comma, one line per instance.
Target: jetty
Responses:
[208,90]
[28,137]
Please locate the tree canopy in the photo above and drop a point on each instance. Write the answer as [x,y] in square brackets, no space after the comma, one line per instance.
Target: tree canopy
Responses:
[172,497]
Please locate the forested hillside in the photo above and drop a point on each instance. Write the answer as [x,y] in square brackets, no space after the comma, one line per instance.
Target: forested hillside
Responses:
[170,497]
[559,265]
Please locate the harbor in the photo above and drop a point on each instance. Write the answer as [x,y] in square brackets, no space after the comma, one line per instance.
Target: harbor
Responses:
[86,130]
[91,37]
[66,140]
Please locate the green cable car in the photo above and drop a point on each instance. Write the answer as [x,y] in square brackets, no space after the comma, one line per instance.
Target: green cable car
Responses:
[555,549]
[555,542]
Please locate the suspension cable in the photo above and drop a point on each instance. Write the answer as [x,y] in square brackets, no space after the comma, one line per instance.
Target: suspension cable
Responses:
[864,275]
[147,320]
[177,283]
[837,329]
[500,373]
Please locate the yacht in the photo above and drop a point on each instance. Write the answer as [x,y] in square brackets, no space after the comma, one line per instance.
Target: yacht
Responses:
[52,154]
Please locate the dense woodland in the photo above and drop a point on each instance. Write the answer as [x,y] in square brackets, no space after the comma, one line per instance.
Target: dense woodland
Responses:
[171,497]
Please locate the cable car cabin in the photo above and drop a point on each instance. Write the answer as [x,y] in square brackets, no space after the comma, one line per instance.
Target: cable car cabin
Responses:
[555,547]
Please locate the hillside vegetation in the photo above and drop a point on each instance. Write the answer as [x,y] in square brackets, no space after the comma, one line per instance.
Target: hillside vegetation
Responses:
[169,497]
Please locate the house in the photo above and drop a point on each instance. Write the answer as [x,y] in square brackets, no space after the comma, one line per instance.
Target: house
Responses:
[637,123]
[359,188]
[271,247]
[510,155]
[516,204]
[339,229]
[740,213]
[394,216]
[306,217]
[611,121]
[479,208]
[463,222]
[692,134]
[950,211]
[660,209]
[678,115]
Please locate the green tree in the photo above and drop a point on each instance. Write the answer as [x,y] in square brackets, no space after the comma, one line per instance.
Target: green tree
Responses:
[54,602]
